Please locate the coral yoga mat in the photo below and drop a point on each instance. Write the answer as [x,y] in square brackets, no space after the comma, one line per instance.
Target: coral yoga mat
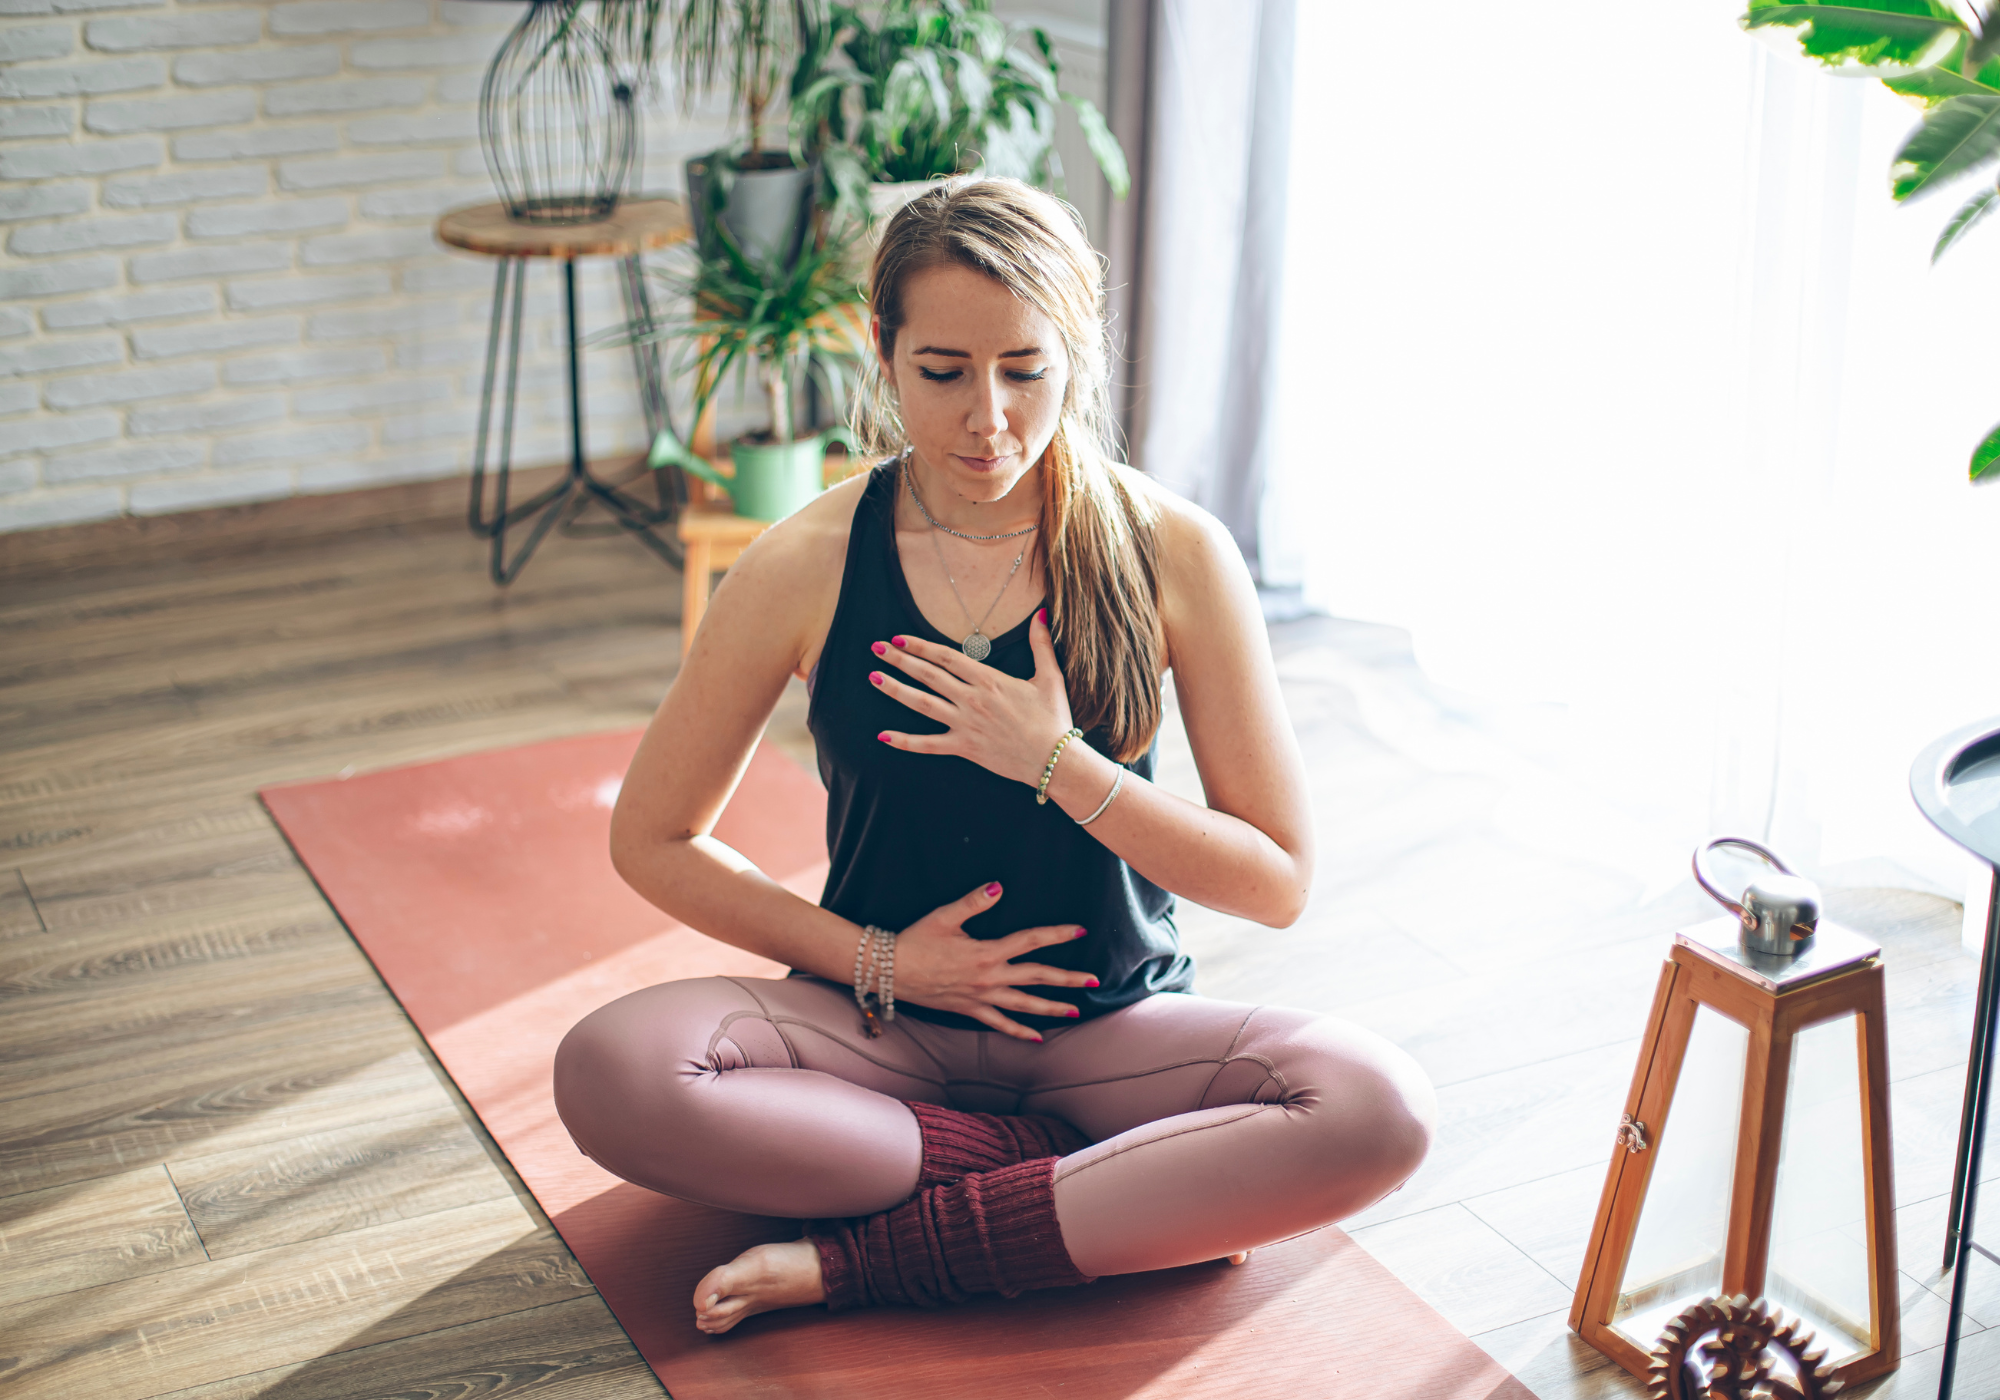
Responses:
[482,889]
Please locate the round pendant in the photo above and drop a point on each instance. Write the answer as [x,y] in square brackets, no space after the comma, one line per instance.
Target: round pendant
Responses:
[976,646]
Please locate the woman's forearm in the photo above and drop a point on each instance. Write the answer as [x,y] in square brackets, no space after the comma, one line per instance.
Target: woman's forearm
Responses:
[1207,856]
[713,889]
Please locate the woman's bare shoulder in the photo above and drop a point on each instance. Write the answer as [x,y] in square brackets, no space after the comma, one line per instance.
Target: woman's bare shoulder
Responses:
[783,590]
[1194,545]
[806,544]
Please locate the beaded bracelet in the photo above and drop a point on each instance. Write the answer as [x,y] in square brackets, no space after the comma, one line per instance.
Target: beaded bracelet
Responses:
[1042,792]
[875,979]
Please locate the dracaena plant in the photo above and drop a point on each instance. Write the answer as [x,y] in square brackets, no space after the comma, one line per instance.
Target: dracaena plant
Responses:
[1948,58]
[915,89]
[780,322]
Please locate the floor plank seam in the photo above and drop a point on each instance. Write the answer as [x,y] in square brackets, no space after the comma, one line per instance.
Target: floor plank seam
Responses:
[358,1353]
[1443,1084]
[21,878]
[181,1196]
[1570,1284]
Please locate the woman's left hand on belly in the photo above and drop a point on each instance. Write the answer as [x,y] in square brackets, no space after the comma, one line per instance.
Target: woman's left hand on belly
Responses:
[1003,724]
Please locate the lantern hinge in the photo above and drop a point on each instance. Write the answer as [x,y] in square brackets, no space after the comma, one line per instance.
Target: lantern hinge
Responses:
[1631,1134]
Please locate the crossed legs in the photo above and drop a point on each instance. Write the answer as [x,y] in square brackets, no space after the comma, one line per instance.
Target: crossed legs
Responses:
[1213,1127]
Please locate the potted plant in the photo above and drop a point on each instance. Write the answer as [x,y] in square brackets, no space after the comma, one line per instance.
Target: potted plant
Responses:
[930,88]
[785,322]
[760,193]
[1947,61]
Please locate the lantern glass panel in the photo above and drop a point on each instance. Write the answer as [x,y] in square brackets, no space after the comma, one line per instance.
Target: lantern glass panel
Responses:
[1819,1231]
[1677,1249]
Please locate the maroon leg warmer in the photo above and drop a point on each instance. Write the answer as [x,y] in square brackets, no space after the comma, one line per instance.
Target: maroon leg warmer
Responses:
[992,1232]
[959,1144]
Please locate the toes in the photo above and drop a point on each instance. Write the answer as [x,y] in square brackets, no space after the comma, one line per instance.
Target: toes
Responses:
[723,1316]
[715,1285]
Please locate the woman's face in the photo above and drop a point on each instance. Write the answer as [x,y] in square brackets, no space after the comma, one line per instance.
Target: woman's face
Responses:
[980,377]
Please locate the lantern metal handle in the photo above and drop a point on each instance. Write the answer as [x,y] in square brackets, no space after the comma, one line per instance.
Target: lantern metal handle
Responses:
[1779,916]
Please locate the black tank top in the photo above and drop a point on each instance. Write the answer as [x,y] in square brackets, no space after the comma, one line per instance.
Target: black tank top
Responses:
[908,832]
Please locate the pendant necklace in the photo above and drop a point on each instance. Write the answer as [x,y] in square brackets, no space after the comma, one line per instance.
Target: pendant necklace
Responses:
[976,644]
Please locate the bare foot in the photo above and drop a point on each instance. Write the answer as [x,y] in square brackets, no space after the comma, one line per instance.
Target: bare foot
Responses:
[759,1279]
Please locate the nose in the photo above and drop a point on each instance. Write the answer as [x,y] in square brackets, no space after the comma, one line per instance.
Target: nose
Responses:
[987,417]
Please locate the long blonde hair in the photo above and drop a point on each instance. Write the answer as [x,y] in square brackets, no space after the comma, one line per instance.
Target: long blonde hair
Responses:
[1098,540]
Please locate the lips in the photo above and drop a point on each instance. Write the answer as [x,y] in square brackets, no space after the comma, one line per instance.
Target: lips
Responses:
[983,464]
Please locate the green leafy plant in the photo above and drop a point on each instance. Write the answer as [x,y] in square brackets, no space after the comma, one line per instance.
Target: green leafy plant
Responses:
[783,323]
[1937,55]
[752,44]
[930,87]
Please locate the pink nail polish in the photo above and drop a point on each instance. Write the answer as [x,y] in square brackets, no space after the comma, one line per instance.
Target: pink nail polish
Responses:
[1038,1040]
[900,641]
[1042,616]
[875,676]
[1093,982]
[878,648]
[1080,933]
[883,736]
[1074,1011]
[993,890]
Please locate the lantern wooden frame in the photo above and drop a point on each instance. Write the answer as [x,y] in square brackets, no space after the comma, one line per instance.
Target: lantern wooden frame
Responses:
[1774,1004]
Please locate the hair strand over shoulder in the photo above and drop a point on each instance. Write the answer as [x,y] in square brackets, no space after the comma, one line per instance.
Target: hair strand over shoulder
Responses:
[1098,540]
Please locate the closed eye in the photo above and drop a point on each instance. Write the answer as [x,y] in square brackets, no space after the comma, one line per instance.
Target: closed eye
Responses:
[939,377]
[1027,377]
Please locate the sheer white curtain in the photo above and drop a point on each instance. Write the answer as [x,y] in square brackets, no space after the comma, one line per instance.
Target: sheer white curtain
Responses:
[1611,372]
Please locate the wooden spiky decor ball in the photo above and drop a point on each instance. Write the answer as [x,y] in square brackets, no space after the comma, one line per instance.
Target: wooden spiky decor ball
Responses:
[1723,1349]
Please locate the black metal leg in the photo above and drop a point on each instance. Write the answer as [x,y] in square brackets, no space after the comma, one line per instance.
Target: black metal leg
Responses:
[475,516]
[645,354]
[549,506]
[670,490]
[1982,1014]
[1971,1141]
[544,505]
[577,461]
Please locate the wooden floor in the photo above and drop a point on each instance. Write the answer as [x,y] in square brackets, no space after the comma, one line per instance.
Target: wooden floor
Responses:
[230,1168]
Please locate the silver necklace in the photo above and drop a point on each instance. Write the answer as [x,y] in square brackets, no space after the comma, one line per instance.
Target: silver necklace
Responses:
[976,645]
[911,480]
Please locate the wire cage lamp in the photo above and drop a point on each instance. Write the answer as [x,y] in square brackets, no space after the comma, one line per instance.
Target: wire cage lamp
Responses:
[556,118]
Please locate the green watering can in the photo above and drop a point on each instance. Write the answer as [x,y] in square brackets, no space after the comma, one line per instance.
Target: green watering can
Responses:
[771,481]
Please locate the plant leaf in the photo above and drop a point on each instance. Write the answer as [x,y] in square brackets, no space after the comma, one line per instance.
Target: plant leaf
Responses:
[1103,145]
[1986,454]
[1903,33]
[1958,136]
[1937,83]
[1971,213]
[927,66]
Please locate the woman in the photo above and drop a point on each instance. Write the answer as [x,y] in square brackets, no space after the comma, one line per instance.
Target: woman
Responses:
[1047,1101]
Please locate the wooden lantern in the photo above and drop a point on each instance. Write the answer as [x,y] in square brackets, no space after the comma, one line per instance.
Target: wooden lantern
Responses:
[1753,1157]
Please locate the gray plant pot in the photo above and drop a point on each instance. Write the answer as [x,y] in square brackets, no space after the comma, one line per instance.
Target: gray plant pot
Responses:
[766,211]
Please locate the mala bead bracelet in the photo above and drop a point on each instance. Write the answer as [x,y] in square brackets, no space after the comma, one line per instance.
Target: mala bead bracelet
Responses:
[1049,770]
[875,979]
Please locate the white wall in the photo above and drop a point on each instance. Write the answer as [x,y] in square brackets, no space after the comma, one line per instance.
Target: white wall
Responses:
[1080,31]
[219,282]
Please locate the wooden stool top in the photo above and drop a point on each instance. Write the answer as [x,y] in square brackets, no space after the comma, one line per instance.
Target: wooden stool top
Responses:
[1834,949]
[635,226]
[710,520]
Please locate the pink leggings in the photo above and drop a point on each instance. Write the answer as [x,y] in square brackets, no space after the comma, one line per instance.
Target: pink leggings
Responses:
[1215,1126]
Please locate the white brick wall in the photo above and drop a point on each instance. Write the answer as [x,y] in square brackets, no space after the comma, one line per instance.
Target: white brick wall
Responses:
[219,283]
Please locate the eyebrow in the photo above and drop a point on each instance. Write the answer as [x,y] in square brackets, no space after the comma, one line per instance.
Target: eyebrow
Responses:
[1028,353]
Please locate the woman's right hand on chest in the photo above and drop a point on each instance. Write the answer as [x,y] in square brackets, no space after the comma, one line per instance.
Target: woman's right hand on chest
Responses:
[941,966]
